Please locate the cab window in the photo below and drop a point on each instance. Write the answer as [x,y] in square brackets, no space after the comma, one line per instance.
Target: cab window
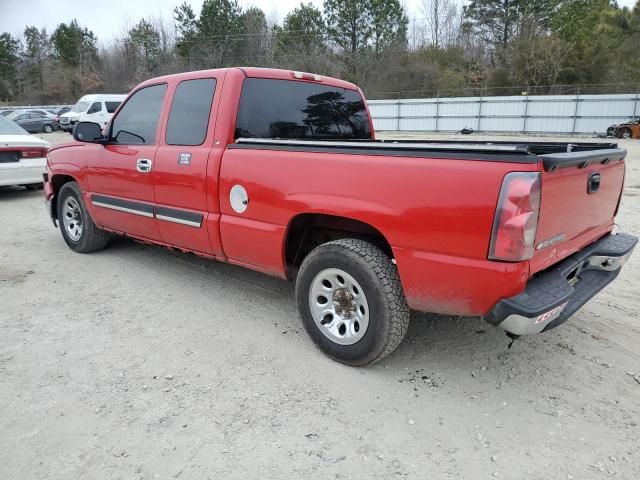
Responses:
[112,106]
[95,107]
[137,121]
[190,110]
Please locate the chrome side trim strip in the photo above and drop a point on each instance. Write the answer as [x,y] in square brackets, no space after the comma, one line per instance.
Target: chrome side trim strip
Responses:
[122,209]
[178,220]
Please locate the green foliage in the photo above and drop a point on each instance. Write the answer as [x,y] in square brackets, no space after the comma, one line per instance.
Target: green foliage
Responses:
[389,26]
[186,28]
[9,48]
[300,42]
[74,45]
[146,40]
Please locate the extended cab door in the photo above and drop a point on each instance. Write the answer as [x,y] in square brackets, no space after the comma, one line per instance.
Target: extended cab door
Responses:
[120,174]
[186,218]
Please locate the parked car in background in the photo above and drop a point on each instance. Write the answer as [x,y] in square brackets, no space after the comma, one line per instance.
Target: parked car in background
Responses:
[35,122]
[97,108]
[22,156]
[4,113]
[629,129]
[63,110]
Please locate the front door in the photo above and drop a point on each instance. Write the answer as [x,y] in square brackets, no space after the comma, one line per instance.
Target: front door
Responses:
[120,175]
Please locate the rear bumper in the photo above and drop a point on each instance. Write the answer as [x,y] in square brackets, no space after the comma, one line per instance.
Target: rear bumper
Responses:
[24,172]
[551,297]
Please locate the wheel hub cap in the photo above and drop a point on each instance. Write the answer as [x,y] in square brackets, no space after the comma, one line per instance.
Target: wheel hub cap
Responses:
[72,218]
[339,306]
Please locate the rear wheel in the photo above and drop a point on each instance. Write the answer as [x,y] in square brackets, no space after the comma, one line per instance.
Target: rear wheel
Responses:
[351,301]
[78,229]
[47,128]
[624,133]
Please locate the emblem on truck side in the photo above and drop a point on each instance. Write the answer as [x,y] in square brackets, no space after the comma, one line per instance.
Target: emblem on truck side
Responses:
[184,159]
[550,241]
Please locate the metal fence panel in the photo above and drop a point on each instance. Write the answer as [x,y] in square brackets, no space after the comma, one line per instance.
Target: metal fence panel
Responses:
[566,114]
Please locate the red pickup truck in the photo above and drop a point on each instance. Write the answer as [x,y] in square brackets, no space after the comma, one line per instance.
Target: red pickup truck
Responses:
[280,172]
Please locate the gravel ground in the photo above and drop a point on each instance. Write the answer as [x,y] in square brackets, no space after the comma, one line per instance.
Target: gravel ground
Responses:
[137,362]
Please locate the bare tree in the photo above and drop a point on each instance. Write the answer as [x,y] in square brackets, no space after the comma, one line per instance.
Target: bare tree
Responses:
[443,20]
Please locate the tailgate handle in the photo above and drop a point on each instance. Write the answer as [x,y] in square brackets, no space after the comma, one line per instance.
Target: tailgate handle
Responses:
[593,183]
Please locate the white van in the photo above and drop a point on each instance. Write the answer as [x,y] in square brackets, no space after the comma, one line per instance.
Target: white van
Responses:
[98,108]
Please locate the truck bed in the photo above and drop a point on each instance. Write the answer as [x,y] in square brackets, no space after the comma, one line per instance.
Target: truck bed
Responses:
[552,154]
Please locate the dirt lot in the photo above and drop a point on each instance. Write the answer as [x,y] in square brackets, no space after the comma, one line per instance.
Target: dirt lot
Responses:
[137,362]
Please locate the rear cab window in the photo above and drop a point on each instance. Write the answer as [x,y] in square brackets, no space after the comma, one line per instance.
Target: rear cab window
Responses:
[290,109]
[190,110]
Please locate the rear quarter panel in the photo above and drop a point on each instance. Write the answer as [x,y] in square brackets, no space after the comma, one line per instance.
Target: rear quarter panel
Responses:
[436,214]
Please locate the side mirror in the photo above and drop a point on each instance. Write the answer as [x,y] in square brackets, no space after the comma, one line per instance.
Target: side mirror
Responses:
[88,132]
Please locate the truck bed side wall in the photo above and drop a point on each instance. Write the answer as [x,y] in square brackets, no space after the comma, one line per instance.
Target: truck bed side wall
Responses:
[436,214]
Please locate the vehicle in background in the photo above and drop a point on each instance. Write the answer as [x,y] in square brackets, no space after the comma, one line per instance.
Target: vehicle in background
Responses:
[13,115]
[279,171]
[63,110]
[629,129]
[97,108]
[34,122]
[4,113]
[22,156]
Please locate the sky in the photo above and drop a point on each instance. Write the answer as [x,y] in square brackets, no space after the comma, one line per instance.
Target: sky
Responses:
[109,19]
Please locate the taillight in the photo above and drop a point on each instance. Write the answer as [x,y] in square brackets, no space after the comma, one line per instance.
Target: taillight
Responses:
[516,219]
[33,152]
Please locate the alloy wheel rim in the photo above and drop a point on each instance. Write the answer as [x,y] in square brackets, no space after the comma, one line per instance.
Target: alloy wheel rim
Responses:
[339,306]
[72,218]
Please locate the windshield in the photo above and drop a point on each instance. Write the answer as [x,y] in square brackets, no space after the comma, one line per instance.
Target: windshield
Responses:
[7,127]
[80,107]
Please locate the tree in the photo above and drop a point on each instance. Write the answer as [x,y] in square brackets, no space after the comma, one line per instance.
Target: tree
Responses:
[73,45]
[37,49]
[350,26]
[187,28]
[442,21]
[300,42]
[75,48]
[254,44]
[9,48]
[389,25]
[146,40]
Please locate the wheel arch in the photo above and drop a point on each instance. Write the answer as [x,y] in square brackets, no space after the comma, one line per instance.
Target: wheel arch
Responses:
[306,231]
[57,182]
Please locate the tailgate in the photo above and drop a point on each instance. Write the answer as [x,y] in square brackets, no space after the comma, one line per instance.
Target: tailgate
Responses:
[579,196]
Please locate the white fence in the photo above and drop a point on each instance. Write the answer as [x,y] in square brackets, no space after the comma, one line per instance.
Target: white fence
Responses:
[567,114]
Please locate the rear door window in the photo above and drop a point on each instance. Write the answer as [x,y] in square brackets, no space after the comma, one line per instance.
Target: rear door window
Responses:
[190,110]
[137,120]
[300,110]
[112,106]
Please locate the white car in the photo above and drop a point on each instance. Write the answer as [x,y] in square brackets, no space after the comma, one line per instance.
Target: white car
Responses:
[23,157]
[97,108]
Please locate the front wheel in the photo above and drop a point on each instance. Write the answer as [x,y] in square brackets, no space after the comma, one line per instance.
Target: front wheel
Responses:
[351,301]
[77,227]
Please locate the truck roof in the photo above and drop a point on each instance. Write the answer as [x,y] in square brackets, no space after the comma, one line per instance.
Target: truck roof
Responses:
[256,72]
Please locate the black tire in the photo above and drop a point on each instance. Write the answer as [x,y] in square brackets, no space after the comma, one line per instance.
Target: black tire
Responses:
[624,133]
[379,278]
[34,186]
[47,128]
[91,238]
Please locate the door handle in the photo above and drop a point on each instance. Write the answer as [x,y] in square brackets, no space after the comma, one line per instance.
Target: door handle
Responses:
[144,165]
